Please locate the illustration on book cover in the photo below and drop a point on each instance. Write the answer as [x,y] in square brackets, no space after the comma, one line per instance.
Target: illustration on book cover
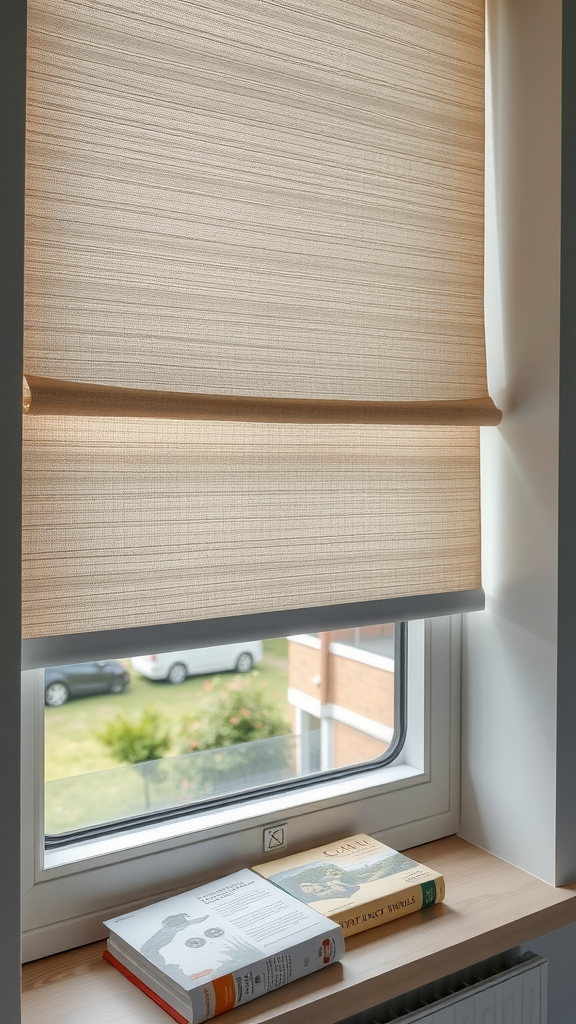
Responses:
[217,930]
[318,881]
[220,951]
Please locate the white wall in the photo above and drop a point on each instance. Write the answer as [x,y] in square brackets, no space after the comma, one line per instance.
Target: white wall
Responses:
[510,671]
[518,736]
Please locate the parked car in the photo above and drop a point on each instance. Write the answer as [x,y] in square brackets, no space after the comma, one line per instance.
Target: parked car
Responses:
[176,666]
[64,681]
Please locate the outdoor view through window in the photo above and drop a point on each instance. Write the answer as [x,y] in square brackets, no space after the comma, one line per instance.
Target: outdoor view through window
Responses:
[163,731]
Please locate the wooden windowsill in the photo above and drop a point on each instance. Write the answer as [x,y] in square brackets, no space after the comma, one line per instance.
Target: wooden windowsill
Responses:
[490,906]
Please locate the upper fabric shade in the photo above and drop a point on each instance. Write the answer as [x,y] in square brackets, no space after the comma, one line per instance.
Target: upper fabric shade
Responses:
[252,198]
[257,198]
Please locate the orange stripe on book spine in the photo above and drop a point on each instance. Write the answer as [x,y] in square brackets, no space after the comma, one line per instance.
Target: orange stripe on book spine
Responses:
[224,993]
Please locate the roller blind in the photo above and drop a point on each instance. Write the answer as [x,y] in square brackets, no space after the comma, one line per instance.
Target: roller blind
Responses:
[254,307]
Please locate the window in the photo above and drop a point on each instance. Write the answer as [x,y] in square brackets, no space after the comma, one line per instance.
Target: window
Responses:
[152,737]
[69,888]
[255,374]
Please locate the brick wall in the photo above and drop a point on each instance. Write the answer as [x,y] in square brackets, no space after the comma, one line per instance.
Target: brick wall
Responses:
[353,747]
[359,688]
[303,666]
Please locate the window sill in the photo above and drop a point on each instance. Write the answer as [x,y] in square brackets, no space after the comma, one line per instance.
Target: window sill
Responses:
[227,819]
[490,906]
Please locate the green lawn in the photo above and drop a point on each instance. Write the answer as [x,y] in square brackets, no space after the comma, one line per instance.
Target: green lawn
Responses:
[72,748]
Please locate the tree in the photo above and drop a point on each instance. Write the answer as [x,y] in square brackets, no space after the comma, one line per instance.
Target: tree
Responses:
[137,741]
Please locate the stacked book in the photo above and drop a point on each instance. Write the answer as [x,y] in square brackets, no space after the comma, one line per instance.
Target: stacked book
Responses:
[225,943]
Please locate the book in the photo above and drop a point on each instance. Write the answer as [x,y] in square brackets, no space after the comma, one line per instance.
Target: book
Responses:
[358,882]
[220,945]
[144,988]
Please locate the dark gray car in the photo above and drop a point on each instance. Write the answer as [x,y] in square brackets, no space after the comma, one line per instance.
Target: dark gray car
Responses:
[64,681]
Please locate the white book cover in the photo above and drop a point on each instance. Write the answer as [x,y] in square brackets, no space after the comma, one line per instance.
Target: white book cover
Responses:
[213,933]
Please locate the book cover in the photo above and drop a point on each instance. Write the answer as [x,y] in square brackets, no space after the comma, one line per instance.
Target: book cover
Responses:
[222,944]
[358,882]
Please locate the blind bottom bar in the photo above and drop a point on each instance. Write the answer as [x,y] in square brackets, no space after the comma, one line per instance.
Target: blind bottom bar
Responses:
[175,636]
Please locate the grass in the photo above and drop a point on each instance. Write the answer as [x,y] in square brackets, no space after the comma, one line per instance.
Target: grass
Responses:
[72,747]
[278,648]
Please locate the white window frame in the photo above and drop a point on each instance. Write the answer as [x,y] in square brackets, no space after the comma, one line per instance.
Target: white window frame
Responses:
[67,892]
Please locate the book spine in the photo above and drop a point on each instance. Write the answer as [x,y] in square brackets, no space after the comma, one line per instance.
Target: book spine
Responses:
[139,983]
[389,908]
[265,975]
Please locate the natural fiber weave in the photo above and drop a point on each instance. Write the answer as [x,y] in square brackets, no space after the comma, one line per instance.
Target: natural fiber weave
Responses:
[254,198]
[207,520]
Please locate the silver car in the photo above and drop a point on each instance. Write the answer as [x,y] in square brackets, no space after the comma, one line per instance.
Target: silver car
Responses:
[176,666]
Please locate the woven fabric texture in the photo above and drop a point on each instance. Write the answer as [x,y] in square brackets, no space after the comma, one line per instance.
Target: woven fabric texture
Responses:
[208,520]
[251,198]
[257,198]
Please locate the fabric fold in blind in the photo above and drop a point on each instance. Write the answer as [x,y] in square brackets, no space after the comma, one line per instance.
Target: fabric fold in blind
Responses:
[44,396]
[254,199]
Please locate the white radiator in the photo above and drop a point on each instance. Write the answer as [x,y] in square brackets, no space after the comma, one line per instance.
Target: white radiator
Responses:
[507,989]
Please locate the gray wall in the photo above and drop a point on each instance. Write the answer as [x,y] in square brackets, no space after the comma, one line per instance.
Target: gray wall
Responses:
[566,708]
[12,93]
[559,948]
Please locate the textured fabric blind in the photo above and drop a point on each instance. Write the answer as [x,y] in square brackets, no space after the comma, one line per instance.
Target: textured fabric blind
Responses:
[264,200]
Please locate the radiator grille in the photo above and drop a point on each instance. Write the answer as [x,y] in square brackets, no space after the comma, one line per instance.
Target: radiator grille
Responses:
[506,989]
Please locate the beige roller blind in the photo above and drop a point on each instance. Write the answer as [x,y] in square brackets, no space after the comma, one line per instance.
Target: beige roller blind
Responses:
[248,206]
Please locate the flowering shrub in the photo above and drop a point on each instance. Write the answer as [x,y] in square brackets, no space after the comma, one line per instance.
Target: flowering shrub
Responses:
[228,733]
[234,712]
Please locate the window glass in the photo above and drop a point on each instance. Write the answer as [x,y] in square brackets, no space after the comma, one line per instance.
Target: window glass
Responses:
[160,732]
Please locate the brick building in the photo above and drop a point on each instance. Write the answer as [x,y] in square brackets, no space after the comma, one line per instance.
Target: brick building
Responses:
[341,692]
